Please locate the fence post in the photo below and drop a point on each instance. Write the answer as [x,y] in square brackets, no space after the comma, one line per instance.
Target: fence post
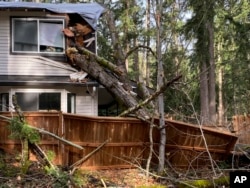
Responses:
[61,130]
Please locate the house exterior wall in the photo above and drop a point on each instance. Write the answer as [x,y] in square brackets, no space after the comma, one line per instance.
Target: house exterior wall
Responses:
[25,64]
[86,99]
[12,64]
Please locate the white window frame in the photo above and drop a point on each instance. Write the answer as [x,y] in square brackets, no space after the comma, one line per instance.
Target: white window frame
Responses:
[39,21]
[62,91]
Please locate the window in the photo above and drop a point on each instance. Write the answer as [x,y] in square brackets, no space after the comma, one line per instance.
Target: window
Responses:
[71,101]
[39,101]
[4,102]
[49,101]
[34,35]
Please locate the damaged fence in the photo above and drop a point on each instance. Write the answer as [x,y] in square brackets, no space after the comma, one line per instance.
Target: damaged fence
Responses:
[126,141]
[241,127]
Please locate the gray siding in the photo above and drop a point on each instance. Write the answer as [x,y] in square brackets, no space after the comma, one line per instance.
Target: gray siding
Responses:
[86,103]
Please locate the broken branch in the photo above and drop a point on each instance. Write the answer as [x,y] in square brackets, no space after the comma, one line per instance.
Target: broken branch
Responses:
[140,46]
[151,97]
[73,166]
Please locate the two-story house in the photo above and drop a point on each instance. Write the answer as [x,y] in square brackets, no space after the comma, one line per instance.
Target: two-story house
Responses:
[33,64]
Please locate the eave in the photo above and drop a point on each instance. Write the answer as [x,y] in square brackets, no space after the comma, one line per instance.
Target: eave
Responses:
[26,80]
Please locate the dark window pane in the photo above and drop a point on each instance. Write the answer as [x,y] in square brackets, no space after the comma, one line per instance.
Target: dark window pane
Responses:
[50,101]
[4,102]
[25,35]
[38,35]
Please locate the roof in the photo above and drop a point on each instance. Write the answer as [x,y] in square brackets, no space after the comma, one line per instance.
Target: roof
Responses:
[90,12]
[22,80]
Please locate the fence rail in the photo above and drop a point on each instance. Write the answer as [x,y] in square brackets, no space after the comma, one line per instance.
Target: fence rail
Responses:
[128,140]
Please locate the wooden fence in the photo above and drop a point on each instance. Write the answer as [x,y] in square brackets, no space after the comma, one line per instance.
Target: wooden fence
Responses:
[128,140]
[241,127]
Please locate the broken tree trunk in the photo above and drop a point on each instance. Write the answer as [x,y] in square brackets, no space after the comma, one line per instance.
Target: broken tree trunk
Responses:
[26,144]
[99,69]
[24,141]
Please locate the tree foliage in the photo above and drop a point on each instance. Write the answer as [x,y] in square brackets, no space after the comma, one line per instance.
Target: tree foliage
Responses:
[20,130]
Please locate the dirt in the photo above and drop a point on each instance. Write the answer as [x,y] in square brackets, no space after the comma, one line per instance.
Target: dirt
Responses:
[125,178]
[12,174]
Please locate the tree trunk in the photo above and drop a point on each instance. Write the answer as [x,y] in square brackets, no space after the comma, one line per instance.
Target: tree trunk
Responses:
[212,77]
[147,43]
[118,52]
[160,78]
[204,94]
[89,63]
[220,92]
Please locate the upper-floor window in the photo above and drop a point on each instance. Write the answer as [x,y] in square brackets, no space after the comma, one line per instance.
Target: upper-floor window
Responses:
[37,35]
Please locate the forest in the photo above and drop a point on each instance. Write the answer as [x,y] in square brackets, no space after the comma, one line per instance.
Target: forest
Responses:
[189,59]
[206,42]
[194,52]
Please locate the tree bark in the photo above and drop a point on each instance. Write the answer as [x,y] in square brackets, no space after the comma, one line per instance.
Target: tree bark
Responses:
[204,94]
[220,88]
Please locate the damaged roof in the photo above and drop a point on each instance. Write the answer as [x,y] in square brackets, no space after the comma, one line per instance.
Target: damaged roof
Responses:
[90,12]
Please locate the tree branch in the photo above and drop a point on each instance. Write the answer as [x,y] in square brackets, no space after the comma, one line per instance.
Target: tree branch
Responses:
[137,47]
[151,97]
[74,166]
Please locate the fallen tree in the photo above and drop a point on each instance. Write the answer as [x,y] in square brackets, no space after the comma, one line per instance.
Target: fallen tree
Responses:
[114,77]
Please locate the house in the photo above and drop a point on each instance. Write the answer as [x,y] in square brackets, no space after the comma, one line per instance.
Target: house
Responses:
[33,64]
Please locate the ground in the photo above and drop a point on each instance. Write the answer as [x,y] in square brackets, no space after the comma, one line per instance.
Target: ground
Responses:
[12,174]
[122,178]
[36,175]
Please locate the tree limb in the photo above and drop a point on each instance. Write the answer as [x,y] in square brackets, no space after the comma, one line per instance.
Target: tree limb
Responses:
[73,166]
[140,46]
[151,97]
